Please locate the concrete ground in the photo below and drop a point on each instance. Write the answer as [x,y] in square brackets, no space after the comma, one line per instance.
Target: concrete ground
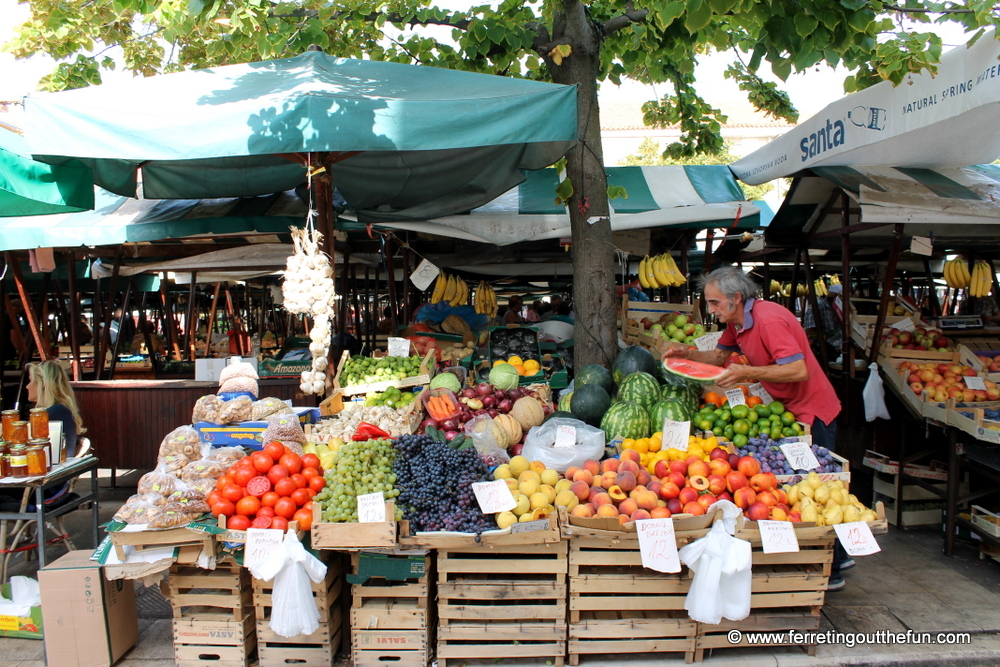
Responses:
[909,585]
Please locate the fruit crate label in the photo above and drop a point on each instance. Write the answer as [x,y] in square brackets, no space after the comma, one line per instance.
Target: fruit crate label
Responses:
[675,435]
[371,508]
[974,382]
[989,435]
[905,325]
[800,456]
[423,275]
[658,545]
[494,496]
[261,543]
[707,342]
[778,537]
[399,347]
[757,389]
[565,437]
[529,526]
[736,397]
[857,538]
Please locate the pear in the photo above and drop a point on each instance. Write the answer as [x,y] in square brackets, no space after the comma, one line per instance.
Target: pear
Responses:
[809,515]
[836,495]
[814,479]
[830,504]
[806,503]
[852,499]
[309,448]
[805,489]
[833,516]
[868,515]
[851,514]
[821,495]
[792,492]
[797,507]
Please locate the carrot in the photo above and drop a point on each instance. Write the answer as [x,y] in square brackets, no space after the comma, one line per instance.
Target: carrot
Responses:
[435,408]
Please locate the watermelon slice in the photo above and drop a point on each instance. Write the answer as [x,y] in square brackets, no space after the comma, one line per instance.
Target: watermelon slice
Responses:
[695,371]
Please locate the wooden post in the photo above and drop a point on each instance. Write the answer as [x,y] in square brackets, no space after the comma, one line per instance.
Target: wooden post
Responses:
[190,329]
[169,323]
[890,273]
[355,302]
[932,293]
[75,315]
[105,342]
[126,307]
[29,314]
[815,309]
[406,284]
[211,319]
[234,323]
[144,328]
[847,350]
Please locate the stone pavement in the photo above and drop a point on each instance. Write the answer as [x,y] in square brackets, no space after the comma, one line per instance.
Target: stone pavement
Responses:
[909,585]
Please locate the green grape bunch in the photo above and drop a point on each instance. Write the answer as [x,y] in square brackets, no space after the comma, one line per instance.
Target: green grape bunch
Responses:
[359,468]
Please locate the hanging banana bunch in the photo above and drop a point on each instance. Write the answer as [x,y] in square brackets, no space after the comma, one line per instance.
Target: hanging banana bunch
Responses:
[956,274]
[801,290]
[450,289]
[835,279]
[660,271]
[820,286]
[485,300]
[981,282]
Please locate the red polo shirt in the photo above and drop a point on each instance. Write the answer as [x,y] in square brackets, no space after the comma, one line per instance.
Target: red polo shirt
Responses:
[771,335]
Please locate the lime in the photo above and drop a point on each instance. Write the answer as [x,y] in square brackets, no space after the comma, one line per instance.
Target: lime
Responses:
[740,412]
[753,432]
[787,418]
[774,419]
[717,431]
[797,428]
[762,410]
[728,433]
[705,425]
[726,416]
[776,407]
[740,440]
[788,432]
[752,416]
[776,433]
[741,426]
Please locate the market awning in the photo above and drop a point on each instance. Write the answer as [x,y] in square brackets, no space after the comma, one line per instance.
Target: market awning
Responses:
[676,196]
[29,187]
[929,121]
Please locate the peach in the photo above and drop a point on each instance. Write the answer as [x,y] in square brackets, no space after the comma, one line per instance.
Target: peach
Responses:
[583,510]
[718,453]
[767,498]
[698,482]
[675,506]
[706,500]
[629,455]
[734,460]
[716,484]
[537,466]
[602,499]
[679,466]
[669,490]
[610,465]
[774,480]
[662,468]
[677,478]
[593,466]
[749,466]
[570,471]
[625,480]
[745,497]
[778,514]
[629,466]
[582,491]
[661,502]
[607,511]
[659,513]
[760,482]
[719,467]
[623,519]
[780,495]
[691,458]
[654,486]
[640,514]
[594,491]
[634,493]
[758,511]
[646,500]
[582,475]
[628,506]
[643,478]
[795,517]
[617,493]
[725,495]
[687,495]
[694,508]
[608,479]
[699,468]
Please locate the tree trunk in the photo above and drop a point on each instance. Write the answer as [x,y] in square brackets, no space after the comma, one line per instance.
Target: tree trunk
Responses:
[593,253]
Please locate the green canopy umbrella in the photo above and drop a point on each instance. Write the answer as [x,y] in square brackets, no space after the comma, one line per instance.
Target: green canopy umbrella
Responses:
[28,187]
[421,142]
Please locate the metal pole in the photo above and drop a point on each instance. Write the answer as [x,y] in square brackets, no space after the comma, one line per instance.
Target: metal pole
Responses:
[890,273]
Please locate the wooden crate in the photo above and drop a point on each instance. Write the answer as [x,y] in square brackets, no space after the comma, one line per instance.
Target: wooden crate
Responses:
[222,594]
[428,367]
[717,636]
[325,594]
[506,602]
[346,536]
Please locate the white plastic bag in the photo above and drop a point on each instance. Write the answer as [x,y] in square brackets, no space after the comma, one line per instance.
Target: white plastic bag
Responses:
[539,445]
[874,396]
[293,610]
[722,577]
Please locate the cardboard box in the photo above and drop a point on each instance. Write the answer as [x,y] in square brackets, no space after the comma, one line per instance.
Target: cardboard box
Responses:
[92,621]
[247,434]
[24,627]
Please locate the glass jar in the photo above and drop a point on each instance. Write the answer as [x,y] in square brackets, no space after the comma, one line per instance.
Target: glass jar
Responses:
[39,420]
[18,433]
[18,459]
[9,417]
[46,447]
[35,457]
[4,462]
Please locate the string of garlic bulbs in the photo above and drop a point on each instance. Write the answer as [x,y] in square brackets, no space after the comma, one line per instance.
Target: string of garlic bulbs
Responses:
[308,290]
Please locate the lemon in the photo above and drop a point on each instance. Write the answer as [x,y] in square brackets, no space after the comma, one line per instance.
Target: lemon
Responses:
[515,361]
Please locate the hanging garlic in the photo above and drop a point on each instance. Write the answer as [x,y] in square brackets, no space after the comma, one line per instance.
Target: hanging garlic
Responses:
[308,289]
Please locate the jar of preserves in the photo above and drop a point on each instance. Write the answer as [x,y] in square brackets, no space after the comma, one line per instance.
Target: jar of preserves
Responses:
[9,417]
[4,461]
[46,447]
[39,420]
[18,433]
[18,459]
[35,457]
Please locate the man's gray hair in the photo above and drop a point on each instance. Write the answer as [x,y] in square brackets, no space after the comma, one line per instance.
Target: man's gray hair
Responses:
[731,281]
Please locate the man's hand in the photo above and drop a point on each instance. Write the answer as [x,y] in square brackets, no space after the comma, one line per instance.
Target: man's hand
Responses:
[734,375]
[677,351]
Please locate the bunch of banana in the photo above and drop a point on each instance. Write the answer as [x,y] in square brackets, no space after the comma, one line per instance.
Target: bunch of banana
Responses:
[786,289]
[660,271]
[956,273]
[775,288]
[485,299]
[801,289]
[835,279]
[451,289]
[820,287]
[981,281]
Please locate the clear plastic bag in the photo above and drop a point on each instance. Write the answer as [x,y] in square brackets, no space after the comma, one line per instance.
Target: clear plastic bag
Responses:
[481,430]
[294,610]
[539,445]
[874,396]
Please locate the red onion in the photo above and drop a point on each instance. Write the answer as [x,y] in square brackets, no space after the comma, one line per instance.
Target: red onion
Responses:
[449,425]
[450,434]
[469,392]
[515,450]
[499,394]
[505,405]
[484,389]
[493,412]
[465,417]
[429,422]
[489,402]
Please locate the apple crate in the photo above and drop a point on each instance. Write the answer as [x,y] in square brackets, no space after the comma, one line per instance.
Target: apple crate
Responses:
[505,602]
[428,367]
[897,382]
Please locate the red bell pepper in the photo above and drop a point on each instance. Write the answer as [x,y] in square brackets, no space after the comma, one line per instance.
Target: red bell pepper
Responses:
[367,431]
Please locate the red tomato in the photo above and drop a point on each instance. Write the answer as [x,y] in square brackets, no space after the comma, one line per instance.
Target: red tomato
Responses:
[277,472]
[292,462]
[317,484]
[223,482]
[265,511]
[261,461]
[213,497]
[232,493]
[223,507]
[309,473]
[305,518]
[300,481]
[258,486]
[261,522]
[301,496]
[279,523]
[238,523]
[248,506]
[275,450]
[285,508]
[284,487]
[243,475]
[269,499]
[310,461]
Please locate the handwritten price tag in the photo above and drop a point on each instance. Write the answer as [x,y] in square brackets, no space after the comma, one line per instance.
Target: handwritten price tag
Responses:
[707,342]
[565,437]
[857,538]
[974,382]
[371,508]
[736,397]
[423,275]
[261,543]
[399,347]
[757,389]
[658,545]
[530,526]
[800,456]
[778,537]
[494,496]
[905,325]
[675,435]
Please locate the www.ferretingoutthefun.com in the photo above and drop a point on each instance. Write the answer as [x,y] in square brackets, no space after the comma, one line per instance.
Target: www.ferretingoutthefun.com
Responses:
[849,639]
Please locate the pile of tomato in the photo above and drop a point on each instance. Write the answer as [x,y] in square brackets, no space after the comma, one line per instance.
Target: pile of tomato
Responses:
[268,489]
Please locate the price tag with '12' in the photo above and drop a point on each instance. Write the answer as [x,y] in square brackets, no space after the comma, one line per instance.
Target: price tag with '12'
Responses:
[494,496]
[658,544]
[778,537]
[371,508]
[857,538]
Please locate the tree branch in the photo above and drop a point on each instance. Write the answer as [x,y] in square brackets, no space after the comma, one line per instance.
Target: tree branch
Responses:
[631,15]
[461,24]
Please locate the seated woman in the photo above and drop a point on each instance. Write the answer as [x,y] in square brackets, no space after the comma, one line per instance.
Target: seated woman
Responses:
[48,387]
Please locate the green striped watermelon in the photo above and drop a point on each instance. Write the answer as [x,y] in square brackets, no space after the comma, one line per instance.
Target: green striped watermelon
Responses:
[669,408]
[596,374]
[564,401]
[627,420]
[641,388]
[680,393]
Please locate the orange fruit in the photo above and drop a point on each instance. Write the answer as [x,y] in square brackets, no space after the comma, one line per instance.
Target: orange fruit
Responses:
[715,399]
[753,400]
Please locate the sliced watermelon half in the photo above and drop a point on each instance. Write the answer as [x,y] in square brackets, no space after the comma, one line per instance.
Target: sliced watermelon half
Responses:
[695,371]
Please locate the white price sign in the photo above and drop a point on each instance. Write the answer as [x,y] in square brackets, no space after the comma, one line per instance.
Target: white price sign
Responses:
[974,382]
[707,342]
[565,437]
[494,496]
[261,543]
[905,325]
[658,545]
[675,435]
[800,456]
[778,537]
[736,397]
[371,508]
[423,275]
[399,347]
[857,538]
[757,389]
[921,245]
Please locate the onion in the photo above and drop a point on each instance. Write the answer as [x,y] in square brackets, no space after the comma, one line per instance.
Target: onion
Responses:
[489,402]
[450,434]
[469,392]
[492,412]
[465,417]
[484,389]
[515,450]
[500,394]
[449,425]
[429,422]
[505,405]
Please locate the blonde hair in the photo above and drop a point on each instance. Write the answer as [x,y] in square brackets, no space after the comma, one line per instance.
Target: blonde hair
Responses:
[53,388]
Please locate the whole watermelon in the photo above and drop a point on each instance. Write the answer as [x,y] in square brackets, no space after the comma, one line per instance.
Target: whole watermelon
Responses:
[627,420]
[632,360]
[641,388]
[564,401]
[668,408]
[681,393]
[589,403]
[596,374]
